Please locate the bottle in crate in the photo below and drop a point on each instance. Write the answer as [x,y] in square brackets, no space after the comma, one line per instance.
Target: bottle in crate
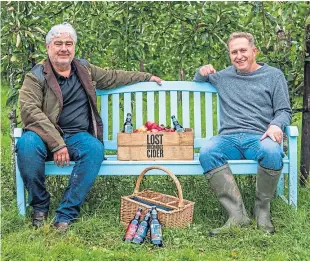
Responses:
[156,231]
[132,226]
[128,127]
[177,126]
[142,229]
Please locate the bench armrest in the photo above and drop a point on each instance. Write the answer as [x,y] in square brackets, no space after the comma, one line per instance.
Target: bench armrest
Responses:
[291,131]
[18,132]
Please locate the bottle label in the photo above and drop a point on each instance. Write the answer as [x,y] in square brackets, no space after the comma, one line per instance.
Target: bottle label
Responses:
[140,234]
[131,230]
[156,233]
[128,129]
[142,230]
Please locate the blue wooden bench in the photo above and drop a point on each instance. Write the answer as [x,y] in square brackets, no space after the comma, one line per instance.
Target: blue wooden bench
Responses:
[144,100]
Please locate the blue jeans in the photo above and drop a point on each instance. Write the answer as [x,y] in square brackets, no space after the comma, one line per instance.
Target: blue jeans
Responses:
[219,149]
[83,148]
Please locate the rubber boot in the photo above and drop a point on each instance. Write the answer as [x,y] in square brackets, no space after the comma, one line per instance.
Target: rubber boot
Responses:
[266,184]
[227,192]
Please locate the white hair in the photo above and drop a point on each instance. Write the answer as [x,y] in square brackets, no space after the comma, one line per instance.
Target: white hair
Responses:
[58,29]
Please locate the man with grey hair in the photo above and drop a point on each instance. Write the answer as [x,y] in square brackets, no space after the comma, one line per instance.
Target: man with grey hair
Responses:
[254,111]
[61,122]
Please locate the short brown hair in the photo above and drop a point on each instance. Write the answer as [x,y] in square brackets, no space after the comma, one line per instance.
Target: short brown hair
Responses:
[247,36]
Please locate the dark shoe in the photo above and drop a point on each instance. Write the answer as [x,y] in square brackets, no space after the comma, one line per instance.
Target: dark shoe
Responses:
[266,185]
[61,226]
[227,192]
[38,218]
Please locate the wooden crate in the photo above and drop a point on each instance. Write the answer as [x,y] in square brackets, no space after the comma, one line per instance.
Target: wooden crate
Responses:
[156,146]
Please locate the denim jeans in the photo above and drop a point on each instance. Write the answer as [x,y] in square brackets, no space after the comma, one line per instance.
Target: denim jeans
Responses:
[83,148]
[221,148]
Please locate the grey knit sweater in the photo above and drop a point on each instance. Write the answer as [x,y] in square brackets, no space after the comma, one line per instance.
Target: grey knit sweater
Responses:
[250,102]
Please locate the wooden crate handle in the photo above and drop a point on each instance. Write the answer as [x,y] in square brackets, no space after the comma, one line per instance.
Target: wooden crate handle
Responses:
[175,179]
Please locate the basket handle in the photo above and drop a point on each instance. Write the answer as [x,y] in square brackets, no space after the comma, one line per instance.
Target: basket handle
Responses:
[175,179]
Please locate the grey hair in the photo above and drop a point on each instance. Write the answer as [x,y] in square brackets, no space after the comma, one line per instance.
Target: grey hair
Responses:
[58,29]
[247,36]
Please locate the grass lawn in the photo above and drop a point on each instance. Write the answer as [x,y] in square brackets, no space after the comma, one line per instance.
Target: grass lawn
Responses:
[98,235]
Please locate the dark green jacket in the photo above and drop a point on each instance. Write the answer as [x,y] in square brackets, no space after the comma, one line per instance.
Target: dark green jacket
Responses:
[41,101]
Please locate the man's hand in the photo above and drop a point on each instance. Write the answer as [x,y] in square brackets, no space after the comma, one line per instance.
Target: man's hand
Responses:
[206,70]
[61,157]
[274,132]
[155,79]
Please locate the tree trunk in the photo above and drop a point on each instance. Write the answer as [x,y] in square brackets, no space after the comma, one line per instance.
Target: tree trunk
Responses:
[305,136]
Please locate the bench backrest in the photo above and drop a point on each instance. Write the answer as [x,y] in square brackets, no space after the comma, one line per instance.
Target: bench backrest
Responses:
[194,104]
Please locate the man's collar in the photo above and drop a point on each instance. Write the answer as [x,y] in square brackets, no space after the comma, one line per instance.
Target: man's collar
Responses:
[59,76]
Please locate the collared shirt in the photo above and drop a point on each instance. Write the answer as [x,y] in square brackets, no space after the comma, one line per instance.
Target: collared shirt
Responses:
[74,117]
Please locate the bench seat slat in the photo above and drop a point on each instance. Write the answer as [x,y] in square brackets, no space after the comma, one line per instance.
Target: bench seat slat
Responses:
[111,166]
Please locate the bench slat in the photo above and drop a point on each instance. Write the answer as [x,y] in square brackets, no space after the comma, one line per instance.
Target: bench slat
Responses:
[197,115]
[166,86]
[185,110]
[209,114]
[127,104]
[105,115]
[139,109]
[173,105]
[162,107]
[115,116]
[150,106]
[179,167]
[218,111]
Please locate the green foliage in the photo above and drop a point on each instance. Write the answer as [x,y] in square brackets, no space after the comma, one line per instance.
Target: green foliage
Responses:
[161,37]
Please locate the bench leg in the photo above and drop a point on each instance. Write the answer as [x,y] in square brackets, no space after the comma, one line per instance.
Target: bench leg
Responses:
[280,187]
[293,179]
[20,192]
[293,174]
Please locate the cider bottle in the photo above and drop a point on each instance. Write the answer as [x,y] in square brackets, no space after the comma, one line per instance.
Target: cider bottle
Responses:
[132,226]
[142,229]
[156,231]
[128,127]
[176,124]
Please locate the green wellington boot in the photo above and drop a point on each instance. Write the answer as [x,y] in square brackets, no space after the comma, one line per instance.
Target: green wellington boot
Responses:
[227,192]
[266,184]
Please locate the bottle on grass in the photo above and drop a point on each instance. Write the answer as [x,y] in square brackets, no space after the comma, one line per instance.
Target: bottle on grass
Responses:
[132,226]
[156,229]
[143,227]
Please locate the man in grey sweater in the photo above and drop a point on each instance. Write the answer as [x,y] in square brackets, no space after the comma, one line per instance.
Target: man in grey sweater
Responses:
[254,111]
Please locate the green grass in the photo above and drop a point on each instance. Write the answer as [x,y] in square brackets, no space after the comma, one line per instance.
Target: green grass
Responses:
[98,235]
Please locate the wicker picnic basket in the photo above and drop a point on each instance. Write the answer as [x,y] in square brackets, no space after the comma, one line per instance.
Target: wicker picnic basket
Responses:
[172,211]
